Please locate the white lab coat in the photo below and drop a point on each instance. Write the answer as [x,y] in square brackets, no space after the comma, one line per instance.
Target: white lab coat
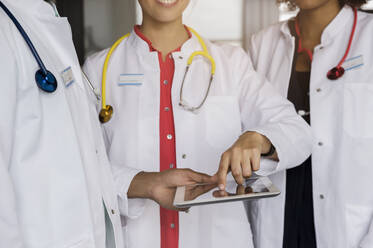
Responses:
[55,177]
[342,123]
[238,101]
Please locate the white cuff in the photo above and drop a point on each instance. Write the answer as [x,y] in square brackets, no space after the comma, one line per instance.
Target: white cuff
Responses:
[129,208]
[291,150]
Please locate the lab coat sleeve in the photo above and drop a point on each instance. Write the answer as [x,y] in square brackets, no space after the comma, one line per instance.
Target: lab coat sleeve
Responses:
[368,239]
[10,235]
[252,50]
[265,111]
[123,175]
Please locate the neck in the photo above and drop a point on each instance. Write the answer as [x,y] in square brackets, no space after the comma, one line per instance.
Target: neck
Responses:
[165,36]
[312,22]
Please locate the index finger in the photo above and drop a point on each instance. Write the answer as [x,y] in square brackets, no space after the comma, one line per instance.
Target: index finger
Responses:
[223,171]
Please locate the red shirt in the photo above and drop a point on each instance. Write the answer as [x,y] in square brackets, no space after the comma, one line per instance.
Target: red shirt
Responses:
[169,219]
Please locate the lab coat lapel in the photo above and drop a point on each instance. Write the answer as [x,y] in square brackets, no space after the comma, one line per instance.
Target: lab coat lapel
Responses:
[185,121]
[343,20]
[284,70]
[58,53]
[149,99]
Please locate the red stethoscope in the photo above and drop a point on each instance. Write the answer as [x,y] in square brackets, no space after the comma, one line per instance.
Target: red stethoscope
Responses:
[338,71]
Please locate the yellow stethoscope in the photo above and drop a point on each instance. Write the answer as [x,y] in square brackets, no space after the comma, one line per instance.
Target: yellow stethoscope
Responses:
[107,111]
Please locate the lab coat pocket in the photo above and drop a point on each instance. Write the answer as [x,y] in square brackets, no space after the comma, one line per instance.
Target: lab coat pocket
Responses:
[222,120]
[358,106]
[358,220]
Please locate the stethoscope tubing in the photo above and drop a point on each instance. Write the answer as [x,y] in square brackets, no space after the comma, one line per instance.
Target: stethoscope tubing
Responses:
[107,110]
[338,71]
[26,38]
[352,35]
[45,80]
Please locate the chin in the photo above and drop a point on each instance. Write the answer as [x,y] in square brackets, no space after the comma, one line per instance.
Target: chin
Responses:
[164,10]
[165,18]
[165,15]
[310,4]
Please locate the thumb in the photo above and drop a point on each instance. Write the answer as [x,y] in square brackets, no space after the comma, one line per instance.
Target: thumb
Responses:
[198,177]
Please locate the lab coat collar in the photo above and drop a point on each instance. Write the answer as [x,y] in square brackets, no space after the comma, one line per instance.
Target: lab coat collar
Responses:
[142,47]
[39,7]
[191,46]
[342,20]
[285,30]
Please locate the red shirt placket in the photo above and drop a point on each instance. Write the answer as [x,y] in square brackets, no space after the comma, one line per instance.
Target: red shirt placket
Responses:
[169,219]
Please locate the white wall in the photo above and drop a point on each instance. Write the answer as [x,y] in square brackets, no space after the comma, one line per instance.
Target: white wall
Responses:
[106,21]
[258,15]
[219,20]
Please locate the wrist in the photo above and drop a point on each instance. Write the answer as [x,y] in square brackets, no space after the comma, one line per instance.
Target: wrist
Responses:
[262,141]
[270,153]
[265,144]
[143,185]
[154,180]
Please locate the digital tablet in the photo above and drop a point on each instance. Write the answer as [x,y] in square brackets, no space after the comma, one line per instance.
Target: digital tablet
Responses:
[203,194]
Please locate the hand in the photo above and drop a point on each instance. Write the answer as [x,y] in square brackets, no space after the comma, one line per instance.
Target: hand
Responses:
[194,191]
[161,186]
[243,158]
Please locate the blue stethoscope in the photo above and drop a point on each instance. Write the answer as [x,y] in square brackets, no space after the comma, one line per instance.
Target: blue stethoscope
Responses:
[45,80]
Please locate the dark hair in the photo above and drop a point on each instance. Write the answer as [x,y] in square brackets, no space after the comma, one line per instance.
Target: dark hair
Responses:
[355,3]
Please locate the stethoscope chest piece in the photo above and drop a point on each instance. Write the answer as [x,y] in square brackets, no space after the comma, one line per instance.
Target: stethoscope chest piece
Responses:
[335,73]
[47,82]
[106,114]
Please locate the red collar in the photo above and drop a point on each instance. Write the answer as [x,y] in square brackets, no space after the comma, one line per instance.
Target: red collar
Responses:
[151,48]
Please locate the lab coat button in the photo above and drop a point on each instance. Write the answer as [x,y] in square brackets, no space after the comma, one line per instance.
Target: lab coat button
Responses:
[113,211]
[318,90]
[322,196]
[301,112]
[169,136]
[320,144]
[180,57]
[165,82]
[184,156]
[166,109]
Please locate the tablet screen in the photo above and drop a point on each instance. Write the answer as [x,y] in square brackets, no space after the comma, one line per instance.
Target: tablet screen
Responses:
[208,191]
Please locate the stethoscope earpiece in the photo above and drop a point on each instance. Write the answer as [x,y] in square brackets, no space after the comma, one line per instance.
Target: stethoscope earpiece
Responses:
[106,114]
[336,73]
[46,81]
